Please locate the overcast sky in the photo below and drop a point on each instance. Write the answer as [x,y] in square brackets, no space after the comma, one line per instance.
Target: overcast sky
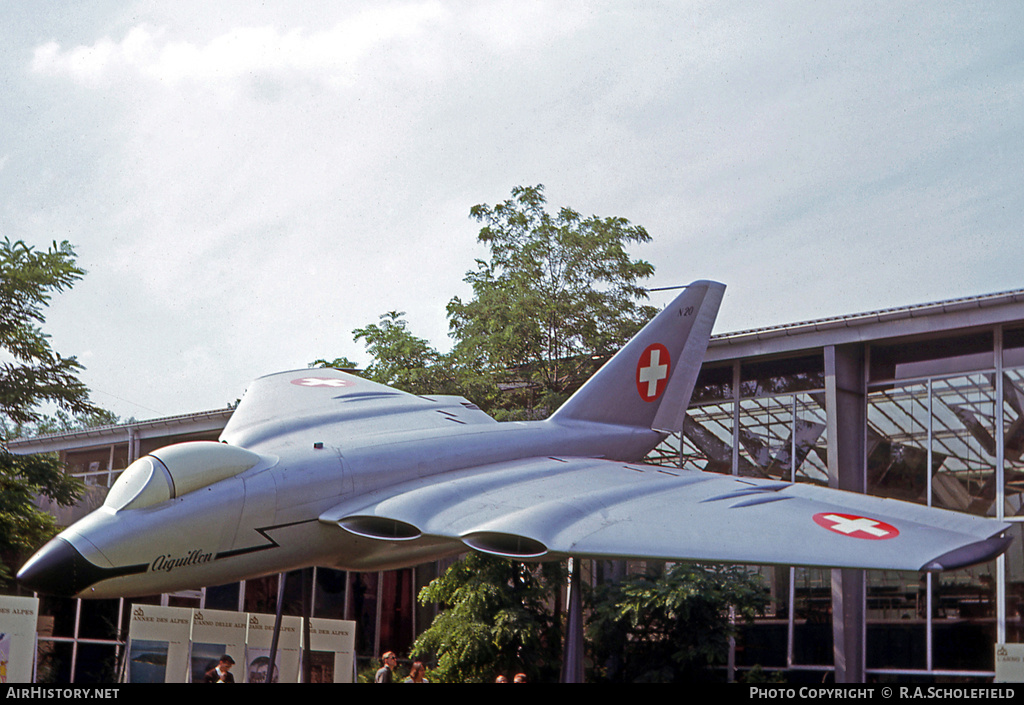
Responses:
[247,182]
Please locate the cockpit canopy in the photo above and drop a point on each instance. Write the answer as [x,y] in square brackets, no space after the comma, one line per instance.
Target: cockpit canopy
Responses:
[176,470]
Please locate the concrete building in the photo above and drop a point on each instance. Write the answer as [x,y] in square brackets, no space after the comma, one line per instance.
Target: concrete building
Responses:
[922,403]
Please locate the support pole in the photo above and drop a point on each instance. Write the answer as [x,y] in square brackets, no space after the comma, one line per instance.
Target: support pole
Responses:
[277,628]
[572,661]
[846,404]
[308,591]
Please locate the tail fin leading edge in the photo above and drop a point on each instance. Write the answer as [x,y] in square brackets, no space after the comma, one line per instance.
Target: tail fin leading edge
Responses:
[648,383]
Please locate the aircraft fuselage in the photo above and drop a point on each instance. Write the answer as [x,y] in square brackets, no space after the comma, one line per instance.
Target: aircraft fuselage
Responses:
[267,519]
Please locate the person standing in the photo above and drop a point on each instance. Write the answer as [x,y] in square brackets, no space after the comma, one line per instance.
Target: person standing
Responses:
[385,674]
[416,673]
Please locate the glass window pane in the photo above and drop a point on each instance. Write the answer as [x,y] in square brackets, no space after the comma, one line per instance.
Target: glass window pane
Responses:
[963,443]
[330,593]
[1013,347]
[96,663]
[707,438]
[665,454]
[940,356]
[811,439]
[896,619]
[772,445]
[765,425]
[396,597]
[223,597]
[764,642]
[99,619]
[812,617]
[261,595]
[785,376]
[713,384]
[964,627]
[897,446]
[1013,485]
[362,608]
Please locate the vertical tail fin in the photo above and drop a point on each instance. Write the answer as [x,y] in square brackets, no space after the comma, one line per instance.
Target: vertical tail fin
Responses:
[648,383]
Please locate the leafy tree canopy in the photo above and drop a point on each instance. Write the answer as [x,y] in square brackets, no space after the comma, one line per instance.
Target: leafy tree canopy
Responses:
[33,374]
[61,422]
[496,620]
[558,296]
[407,362]
[23,527]
[670,626]
[400,359]
[558,291]
[339,363]
[36,373]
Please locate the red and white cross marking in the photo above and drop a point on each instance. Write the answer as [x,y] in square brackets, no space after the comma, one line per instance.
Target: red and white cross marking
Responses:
[856,526]
[652,371]
[322,382]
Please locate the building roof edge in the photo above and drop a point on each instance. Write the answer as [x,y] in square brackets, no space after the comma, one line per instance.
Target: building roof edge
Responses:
[869,318]
[118,432]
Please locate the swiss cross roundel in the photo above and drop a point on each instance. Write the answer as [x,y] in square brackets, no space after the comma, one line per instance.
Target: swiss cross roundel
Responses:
[652,371]
[856,526]
[322,382]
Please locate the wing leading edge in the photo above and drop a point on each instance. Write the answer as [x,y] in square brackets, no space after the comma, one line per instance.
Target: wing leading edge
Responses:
[548,508]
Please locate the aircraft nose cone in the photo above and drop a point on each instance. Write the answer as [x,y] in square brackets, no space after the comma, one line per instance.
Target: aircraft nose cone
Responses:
[56,569]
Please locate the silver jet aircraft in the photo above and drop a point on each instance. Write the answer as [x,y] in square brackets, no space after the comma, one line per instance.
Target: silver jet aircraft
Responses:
[319,467]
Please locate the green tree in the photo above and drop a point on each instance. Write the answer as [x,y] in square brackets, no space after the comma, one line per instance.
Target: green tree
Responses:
[36,374]
[496,619]
[559,295]
[407,362]
[672,626]
[338,363]
[400,359]
[23,527]
[32,375]
[63,422]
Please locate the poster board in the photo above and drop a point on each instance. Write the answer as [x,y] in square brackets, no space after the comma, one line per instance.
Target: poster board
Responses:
[18,617]
[332,651]
[158,644]
[1009,663]
[259,634]
[215,633]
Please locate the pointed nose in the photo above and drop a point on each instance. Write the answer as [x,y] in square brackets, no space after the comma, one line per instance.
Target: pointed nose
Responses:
[58,569]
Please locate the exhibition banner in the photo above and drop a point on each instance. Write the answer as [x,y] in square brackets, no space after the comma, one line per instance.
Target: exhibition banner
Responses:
[259,634]
[332,651]
[18,617]
[214,634]
[180,645]
[1009,663]
[158,644]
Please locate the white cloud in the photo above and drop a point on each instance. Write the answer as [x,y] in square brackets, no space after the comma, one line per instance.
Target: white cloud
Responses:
[331,55]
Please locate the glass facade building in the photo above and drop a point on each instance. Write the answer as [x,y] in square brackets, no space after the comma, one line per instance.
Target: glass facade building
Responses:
[923,404]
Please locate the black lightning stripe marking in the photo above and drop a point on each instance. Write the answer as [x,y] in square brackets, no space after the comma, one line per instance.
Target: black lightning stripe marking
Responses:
[265,533]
